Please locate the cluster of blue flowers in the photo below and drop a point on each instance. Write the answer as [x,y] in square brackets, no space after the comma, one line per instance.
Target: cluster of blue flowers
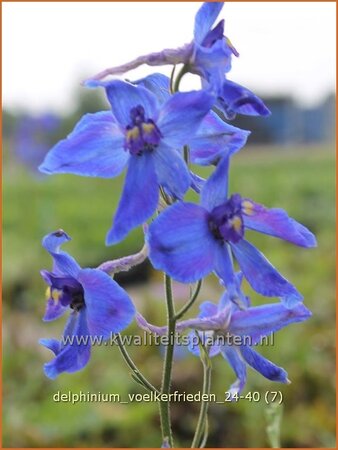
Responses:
[155,132]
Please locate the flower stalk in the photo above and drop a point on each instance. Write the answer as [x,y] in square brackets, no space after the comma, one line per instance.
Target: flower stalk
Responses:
[191,301]
[136,374]
[168,362]
[202,425]
[126,263]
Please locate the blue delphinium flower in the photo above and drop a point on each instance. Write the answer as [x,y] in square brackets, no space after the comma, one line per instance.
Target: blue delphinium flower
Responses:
[212,54]
[241,332]
[225,328]
[99,307]
[189,241]
[211,61]
[209,56]
[140,134]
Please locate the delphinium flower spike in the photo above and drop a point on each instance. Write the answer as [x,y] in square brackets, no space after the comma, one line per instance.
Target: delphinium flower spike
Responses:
[155,132]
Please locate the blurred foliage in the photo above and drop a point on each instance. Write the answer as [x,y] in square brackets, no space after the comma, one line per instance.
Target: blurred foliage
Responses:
[302,181]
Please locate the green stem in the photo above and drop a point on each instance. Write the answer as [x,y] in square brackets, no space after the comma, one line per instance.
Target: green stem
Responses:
[186,154]
[171,316]
[179,77]
[205,434]
[171,86]
[201,428]
[168,363]
[130,363]
[191,301]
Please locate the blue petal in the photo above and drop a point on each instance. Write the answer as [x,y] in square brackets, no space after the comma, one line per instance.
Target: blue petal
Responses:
[93,149]
[181,244]
[225,271]
[260,273]
[196,182]
[181,116]
[139,198]
[124,96]
[205,18]
[214,35]
[215,190]
[277,223]
[158,84]
[290,301]
[72,326]
[75,355]
[233,291]
[224,300]
[52,242]
[64,263]
[109,308]
[259,321]
[237,99]
[238,366]
[59,281]
[51,344]
[171,170]
[208,309]
[212,63]
[54,310]
[215,139]
[263,365]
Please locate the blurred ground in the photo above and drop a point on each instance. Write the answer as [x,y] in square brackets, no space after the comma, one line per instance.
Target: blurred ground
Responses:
[301,180]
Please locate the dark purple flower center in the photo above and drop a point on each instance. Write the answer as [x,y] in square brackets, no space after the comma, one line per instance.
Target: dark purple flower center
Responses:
[142,133]
[226,220]
[67,291]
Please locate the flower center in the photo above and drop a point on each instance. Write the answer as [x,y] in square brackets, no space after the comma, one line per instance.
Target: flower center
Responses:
[68,292]
[141,134]
[226,220]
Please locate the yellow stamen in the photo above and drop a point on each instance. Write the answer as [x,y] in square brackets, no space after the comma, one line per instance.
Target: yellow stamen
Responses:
[56,294]
[148,128]
[248,207]
[53,293]
[236,222]
[48,293]
[133,134]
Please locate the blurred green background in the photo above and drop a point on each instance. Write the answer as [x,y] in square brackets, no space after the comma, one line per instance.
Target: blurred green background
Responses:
[299,179]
